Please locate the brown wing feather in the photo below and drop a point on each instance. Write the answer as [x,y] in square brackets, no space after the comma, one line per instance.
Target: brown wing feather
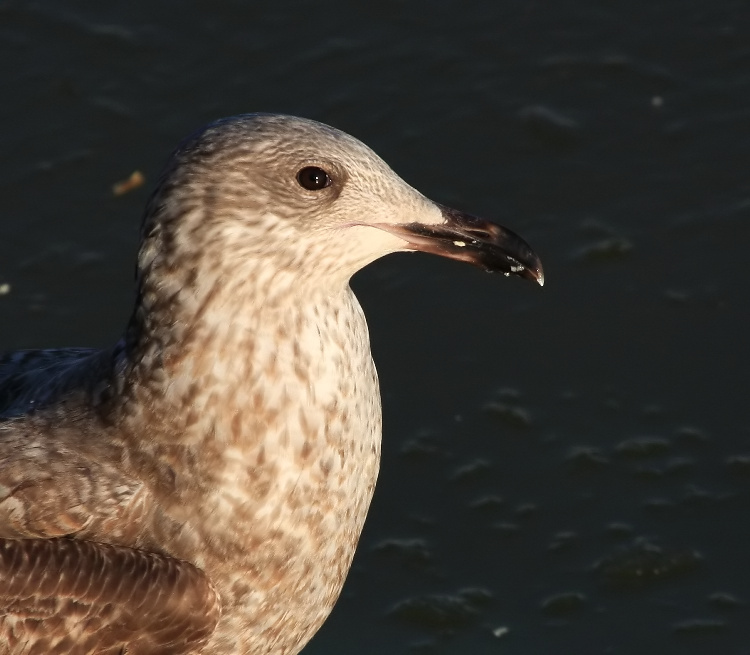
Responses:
[48,489]
[71,597]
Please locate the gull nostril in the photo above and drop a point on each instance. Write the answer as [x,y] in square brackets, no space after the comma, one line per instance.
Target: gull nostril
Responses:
[478,234]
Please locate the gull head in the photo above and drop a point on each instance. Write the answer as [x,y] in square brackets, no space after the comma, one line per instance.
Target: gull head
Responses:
[289,202]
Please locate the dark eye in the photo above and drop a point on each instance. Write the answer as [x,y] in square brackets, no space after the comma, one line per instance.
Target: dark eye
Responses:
[313,178]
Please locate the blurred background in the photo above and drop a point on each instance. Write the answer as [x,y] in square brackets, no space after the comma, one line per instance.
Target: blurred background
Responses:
[566,470]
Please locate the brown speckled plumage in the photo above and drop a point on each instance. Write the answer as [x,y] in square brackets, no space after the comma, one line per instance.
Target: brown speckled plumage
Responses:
[201,487]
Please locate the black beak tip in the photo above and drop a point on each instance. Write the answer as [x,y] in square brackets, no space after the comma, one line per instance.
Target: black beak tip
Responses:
[492,247]
[533,269]
[534,272]
[519,257]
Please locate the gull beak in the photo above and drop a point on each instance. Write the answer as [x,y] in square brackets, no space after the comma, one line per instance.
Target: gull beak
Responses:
[467,238]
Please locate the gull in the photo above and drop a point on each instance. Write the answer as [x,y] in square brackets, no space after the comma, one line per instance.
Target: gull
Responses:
[201,486]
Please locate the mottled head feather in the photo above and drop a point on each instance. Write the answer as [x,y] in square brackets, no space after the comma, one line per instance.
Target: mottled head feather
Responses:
[232,188]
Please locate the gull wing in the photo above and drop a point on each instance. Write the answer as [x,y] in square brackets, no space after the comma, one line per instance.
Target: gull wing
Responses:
[71,597]
[58,481]
[33,379]
[66,596]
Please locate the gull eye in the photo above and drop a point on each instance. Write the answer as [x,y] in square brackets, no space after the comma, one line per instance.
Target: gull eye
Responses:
[313,178]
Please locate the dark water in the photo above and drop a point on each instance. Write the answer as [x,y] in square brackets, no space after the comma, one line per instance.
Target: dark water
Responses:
[566,470]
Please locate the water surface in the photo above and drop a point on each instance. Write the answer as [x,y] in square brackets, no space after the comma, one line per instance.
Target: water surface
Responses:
[566,469]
